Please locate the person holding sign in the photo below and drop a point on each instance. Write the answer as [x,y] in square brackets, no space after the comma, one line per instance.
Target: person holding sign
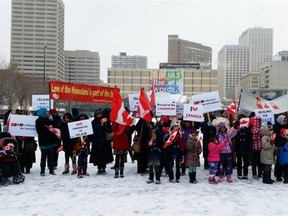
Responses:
[47,140]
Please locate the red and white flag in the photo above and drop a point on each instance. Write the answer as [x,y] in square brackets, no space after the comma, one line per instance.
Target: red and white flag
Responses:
[144,106]
[171,137]
[151,96]
[232,108]
[118,112]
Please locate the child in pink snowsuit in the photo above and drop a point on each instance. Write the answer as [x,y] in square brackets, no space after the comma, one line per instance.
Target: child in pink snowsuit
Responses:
[214,157]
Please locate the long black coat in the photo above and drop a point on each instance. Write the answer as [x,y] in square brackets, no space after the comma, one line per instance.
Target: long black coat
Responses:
[98,140]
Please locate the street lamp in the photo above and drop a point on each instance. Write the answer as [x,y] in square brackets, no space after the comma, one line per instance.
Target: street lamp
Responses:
[44,78]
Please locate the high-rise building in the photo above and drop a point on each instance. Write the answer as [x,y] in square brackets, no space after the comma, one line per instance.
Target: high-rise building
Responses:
[37,37]
[273,75]
[82,66]
[125,61]
[233,63]
[260,41]
[183,51]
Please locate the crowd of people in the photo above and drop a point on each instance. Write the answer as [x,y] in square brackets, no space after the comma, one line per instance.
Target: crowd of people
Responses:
[171,147]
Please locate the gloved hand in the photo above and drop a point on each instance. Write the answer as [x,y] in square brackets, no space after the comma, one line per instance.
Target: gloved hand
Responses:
[209,123]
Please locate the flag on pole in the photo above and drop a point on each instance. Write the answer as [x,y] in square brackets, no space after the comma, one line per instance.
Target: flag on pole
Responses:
[144,106]
[151,96]
[118,112]
[171,137]
[232,108]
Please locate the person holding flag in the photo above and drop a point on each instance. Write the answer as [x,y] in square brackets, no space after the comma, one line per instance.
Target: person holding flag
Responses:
[175,148]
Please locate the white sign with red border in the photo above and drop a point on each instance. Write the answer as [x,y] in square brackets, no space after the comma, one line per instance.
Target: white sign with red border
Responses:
[80,128]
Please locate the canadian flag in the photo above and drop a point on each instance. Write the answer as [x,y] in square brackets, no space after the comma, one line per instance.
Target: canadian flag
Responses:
[56,131]
[232,108]
[144,106]
[171,137]
[151,96]
[118,112]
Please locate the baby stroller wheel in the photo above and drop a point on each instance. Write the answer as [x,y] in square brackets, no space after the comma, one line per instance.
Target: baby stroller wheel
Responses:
[16,179]
[22,178]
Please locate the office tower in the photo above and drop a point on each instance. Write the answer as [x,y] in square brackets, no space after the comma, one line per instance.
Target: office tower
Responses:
[125,61]
[273,74]
[37,38]
[183,51]
[82,66]
[260,41]
[233,63]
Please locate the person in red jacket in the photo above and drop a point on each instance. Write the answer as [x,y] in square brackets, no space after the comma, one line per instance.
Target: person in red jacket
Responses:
[120,146]
[214,157]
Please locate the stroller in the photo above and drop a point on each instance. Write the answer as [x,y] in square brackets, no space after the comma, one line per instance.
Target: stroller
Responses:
[9,164]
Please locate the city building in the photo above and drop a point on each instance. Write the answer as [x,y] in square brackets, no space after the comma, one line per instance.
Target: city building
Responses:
[195,81]
[82,66]
[183,51]
[125,61]
[274,74]
[233,63]
[37,38]
[260,41]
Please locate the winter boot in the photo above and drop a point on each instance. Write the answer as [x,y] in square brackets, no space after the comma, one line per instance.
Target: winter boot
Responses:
[116,172]
[51,171]
[80,172]
[121,172]
[85,170]
[66,169]
[42,172]
[16,179]
[229,179]
[266,179]
[221,178]
[194,178]
[212,180]
[285,179]
[74,167]
[191,180]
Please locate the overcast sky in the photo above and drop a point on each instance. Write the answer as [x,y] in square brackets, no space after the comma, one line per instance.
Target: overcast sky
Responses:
[142,27]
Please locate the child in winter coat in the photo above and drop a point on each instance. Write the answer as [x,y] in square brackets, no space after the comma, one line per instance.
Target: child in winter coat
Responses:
[214,157]
[226,163]
[192,159]
[154,158]
[81,150]
[267,151]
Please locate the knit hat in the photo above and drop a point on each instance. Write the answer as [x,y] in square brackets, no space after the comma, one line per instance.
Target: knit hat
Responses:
[53,111]
[221,124]
[166,119]
[42,112]
[280,119]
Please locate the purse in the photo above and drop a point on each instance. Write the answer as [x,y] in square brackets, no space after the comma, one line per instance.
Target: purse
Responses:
[136,145]
[109,136]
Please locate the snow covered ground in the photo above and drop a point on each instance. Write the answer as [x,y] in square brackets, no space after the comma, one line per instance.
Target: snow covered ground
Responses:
[131,195]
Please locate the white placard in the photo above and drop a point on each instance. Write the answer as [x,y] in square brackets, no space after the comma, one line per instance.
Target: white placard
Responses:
[193,113]
[22,125]
[210,101]
[266,115]
[133,101]
[166,107]
[80,128]
[39,101]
